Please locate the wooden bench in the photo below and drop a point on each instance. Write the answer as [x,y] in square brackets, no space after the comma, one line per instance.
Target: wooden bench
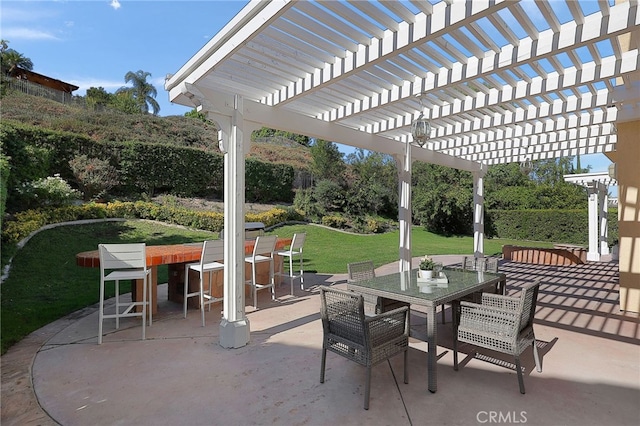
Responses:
[559,255]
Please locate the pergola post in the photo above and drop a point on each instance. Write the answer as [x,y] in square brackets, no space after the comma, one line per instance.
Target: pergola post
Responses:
[404,208]
[603,202]
[234,327]
[478,214]
[592,190]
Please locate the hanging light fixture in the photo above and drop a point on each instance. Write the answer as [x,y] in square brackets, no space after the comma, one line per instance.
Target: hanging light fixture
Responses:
[421,127]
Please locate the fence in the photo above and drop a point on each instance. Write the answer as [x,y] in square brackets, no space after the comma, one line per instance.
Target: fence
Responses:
[35,89]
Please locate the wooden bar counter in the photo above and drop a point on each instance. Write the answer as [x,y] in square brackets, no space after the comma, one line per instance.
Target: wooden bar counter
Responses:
[176,256]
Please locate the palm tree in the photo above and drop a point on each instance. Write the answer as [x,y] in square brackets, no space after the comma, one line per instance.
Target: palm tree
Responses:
[12,59]
[142,91]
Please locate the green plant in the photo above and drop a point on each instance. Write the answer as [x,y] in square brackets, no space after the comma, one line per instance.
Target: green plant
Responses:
[50,191]
[93,175]
[427,264]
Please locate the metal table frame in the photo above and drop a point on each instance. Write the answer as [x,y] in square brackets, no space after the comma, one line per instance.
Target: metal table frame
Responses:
[405,287]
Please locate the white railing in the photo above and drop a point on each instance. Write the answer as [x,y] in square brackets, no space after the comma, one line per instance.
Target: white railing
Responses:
[35,89]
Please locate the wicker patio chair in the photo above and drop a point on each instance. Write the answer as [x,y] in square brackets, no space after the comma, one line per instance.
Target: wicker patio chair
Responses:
[501,323]
[359,271]
[362,339]
[486,264]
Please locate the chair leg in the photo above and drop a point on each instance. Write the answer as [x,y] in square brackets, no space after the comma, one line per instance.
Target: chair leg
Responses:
[520,379]
[101,313]
[255,288]
[443,315]
[301,272]
[117,304]
[272,279]
[144,307]
[367,388]
[202,297]
[186,289]
[291,272]
[406,366]
[536,357]
[281,269]
[323,364]
[150,301]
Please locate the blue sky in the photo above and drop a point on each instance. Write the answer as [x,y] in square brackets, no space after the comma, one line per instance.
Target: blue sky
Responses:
[94,43]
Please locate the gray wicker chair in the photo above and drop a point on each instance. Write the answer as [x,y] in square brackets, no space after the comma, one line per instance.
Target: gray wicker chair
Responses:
[487,264]
[359,271]
[365,340]
[501,323]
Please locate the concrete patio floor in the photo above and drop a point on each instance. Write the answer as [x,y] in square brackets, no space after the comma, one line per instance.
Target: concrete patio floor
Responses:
[181,376]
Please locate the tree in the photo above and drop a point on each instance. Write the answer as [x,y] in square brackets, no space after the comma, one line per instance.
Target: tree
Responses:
[266,132]
[98,97]
[552,171]
[373,187]
[198,115]
[442,199]
[124,101]
[327,161]
[142,92]
[11,59]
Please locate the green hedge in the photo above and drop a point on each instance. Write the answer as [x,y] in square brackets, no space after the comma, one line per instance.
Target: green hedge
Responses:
[143,167]
[4,180]
[28,221]
[566,226]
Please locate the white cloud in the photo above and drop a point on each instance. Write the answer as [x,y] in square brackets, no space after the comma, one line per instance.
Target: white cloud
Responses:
[115,4]
[22,33]
[84,84]
[24,15]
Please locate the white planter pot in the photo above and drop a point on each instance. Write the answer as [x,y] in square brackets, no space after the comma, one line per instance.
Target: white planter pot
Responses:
[426,274]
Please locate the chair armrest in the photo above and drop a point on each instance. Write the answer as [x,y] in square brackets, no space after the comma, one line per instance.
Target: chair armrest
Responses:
[500,301]
[388,325]
[490,319]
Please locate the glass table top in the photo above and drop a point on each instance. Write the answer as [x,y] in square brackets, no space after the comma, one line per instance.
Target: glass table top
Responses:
[458,283]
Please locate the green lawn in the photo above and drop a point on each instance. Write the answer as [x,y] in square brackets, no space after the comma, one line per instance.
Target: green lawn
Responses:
[45,284]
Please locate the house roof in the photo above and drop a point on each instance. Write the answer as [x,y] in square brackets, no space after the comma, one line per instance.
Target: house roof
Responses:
[501,81]
[43,80]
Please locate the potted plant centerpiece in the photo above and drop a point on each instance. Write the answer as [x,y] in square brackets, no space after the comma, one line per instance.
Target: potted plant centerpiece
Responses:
[426,267]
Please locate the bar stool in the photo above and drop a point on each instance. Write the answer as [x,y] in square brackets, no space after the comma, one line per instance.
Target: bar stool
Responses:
[212,253]
[262,252]
[124,262]
[294,250]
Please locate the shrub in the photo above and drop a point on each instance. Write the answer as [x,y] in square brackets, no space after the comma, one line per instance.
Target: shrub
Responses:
[4,179]
[93,175]
[335,221]
[30,220]
[50,191]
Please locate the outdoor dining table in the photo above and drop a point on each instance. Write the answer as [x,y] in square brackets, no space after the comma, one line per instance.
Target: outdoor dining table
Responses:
[406,287]
[174,255]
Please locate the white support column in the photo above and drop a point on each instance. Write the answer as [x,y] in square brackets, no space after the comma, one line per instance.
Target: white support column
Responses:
[603,202]
[592,190]
[478,214]
[234,327]
[404,208]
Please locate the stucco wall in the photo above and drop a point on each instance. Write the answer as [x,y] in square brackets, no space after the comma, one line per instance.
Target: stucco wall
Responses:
[627,159]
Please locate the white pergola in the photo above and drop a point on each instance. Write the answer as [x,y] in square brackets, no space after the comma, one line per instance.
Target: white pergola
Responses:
[597,185]
[501,81]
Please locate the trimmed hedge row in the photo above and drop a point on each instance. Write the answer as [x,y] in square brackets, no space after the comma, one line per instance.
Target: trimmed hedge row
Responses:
[142,167]
[29,221]
[567,226]
[4,177]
